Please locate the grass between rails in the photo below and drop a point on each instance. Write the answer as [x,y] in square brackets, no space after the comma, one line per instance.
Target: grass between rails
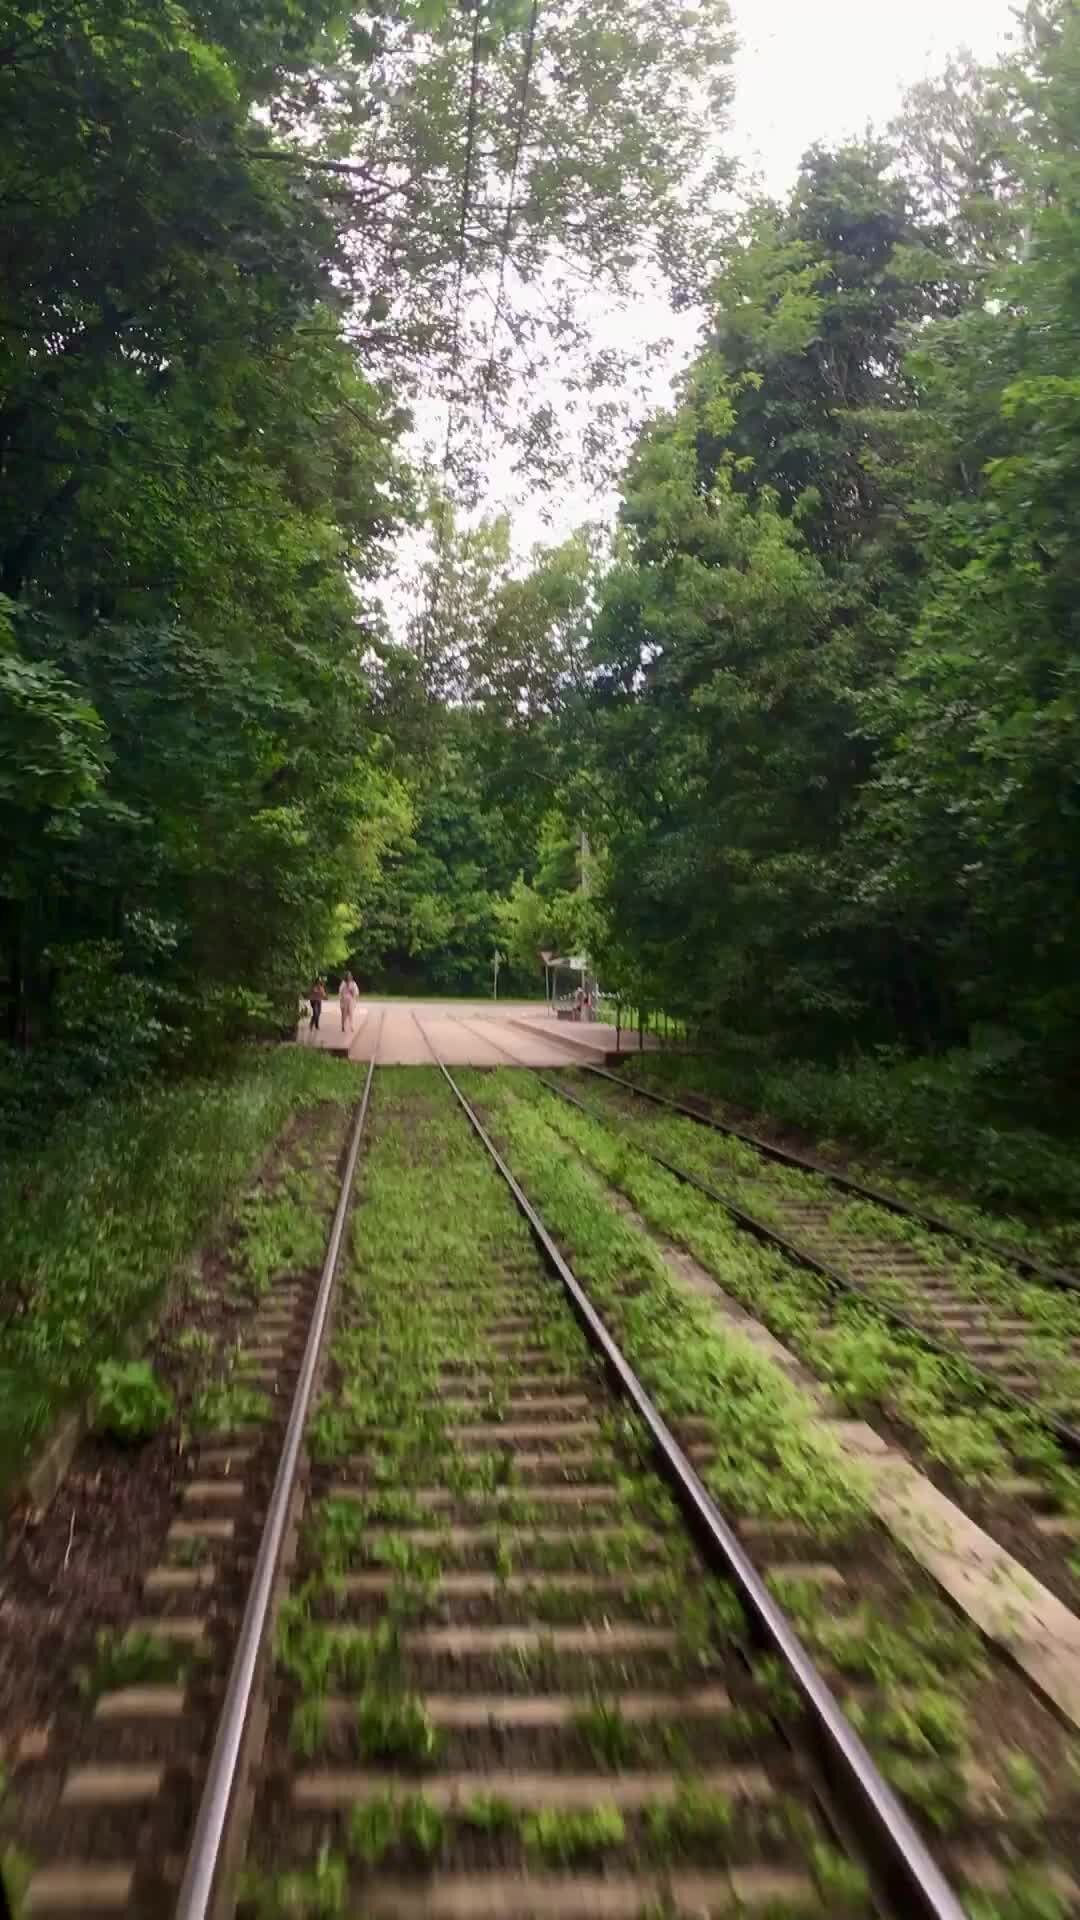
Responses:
[1009,1183]
[771,1458]
[869,1365]
[763,1188]
[440,1251]
[917,1659]
[91,1230]
[920,1665]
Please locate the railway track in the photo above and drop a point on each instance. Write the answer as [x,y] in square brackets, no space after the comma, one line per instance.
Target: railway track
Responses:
[522,1666]
[537,1604]
[929,1286]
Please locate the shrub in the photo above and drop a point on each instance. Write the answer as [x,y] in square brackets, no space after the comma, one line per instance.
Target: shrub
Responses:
[132,1403]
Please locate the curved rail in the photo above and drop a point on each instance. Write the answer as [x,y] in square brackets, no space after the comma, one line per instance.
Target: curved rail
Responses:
[1063,1430]
[902,1864]
[218,1802]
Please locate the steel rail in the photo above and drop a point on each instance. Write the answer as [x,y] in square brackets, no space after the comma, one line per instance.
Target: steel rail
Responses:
[980,1242]
[1068,1435]
[839,1282]
[205,1854]
[901,1862]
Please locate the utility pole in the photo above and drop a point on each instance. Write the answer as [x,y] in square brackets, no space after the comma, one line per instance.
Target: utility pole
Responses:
[496,964]
[583,888]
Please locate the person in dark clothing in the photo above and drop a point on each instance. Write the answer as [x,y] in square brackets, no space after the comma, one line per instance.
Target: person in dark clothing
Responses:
[316,996]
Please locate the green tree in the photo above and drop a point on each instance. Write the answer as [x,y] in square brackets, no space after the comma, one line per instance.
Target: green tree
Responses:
[195,479]
[971,826]
[762,589]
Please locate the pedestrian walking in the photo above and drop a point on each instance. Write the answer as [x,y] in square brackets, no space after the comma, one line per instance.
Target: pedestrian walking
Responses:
[316,996]
[347,993]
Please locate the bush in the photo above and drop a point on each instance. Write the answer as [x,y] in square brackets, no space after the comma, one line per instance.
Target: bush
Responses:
[92,1225]
[955,1116]
[132,1403]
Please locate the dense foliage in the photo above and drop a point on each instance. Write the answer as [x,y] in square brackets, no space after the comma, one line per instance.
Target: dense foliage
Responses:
[239,242]
[794,755]
[92,1232]
[195,477]
[829,741]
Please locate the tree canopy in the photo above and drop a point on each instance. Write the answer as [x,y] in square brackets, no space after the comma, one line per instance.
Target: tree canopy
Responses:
[816,702]
[239,241]
[793,750]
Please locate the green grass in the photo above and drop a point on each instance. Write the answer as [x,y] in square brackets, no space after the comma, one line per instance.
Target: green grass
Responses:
[129,1660]
[385,1824]
[319,1892]
[92,1227]
[568,1839]
[771,1458]
[396,1727]
[993,1171]
[871,1366]
[226,1406]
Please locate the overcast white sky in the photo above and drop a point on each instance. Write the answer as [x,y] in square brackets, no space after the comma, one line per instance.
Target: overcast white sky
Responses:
[821,69]
[806,70]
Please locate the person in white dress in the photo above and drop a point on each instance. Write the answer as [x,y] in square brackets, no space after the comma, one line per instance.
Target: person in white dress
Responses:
[347,1000]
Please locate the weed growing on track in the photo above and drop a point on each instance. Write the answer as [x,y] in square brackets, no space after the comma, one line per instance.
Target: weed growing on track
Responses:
[227,1406]
[281,1232]
[441,1252]
[308,1727]
[693,1821]
[869,1364]
[1053,1315]
[384,1824]
[489,1813]
[1028,1894]
[611,1740]
[397,1727]
[898,1110]
[130,1402]
[841,1882]
[319,1892]
[131,1659]
[770,1460]
[425,1212]
[92,1226]
[193,1551]
[922,1663]
[325,1658]
[195,1344]
[569,1839]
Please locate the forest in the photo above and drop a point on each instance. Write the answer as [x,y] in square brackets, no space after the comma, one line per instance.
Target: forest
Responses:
[812,700]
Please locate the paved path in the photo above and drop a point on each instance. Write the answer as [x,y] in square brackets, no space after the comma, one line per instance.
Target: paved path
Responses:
[474,1035]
